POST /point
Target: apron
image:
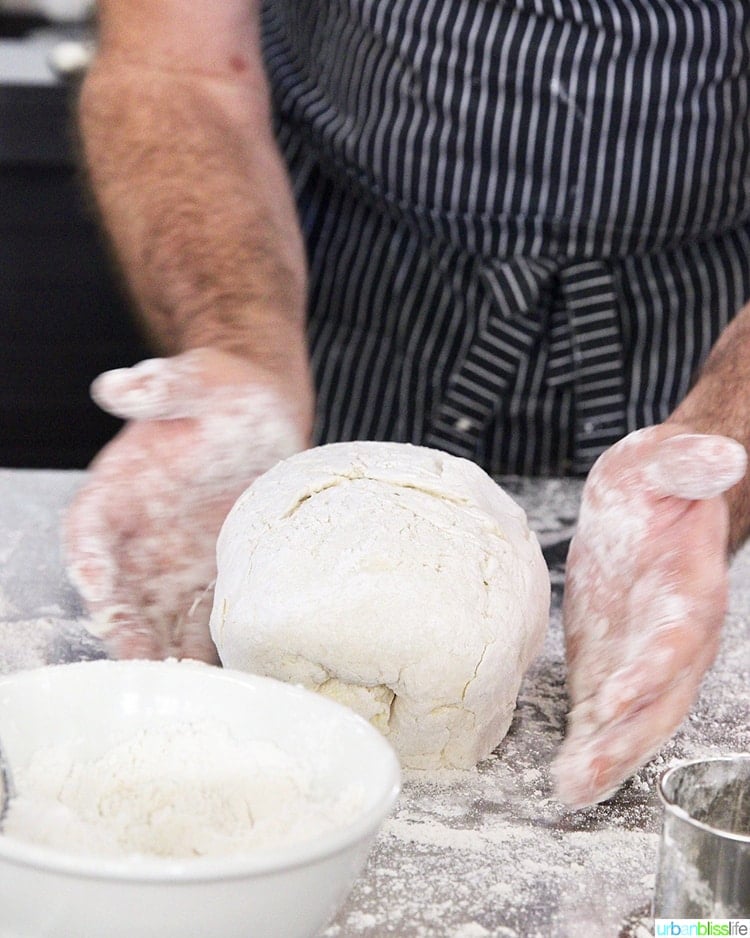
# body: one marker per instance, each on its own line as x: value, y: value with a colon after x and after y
x: 527, y: 221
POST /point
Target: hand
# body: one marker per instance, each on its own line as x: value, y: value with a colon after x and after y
x: 141, y: 534
x: 645, y: 597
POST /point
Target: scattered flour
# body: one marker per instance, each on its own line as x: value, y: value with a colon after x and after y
x: 25, y: 643
x: 7, y: 607
x: 181, y: 790
x: 489, y: 846
x: 471, y: 930
x: 33, y: 643
x: 492, y: 847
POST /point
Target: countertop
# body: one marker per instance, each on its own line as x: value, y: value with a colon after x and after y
x: 36, y: 104
x: 467, y: 854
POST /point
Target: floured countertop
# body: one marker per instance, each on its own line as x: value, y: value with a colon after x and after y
x: 467, y: 854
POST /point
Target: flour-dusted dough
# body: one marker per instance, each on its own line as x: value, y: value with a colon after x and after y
x: 397, y: 579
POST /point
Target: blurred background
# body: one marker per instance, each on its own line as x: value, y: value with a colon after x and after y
x: 64, y: 316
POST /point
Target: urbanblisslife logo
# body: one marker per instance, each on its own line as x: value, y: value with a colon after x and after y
x: 709, y: 927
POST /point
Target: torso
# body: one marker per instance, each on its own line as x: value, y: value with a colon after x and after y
x: 527, y: 220
x: 548, y: 127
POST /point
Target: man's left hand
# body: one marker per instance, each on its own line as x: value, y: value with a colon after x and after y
x: 645, y: 596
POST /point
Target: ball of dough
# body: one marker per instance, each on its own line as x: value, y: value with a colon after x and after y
x: 397, y: 579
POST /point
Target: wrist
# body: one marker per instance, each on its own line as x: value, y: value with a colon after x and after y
x: 226, y: 365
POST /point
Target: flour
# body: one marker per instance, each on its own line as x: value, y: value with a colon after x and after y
x: 7, y: 608
x: 181, y: 790
x: 492, y: 847
x: 471, y: 930
x: 528, y: 877
x: 24, y: 644
x: 32, y: 643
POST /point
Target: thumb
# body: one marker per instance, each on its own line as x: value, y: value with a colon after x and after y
x: 155, y: 389
x: 696, y: 466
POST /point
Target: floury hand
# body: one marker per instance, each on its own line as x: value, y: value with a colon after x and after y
x: 645, y: 597
x: 141, y: 534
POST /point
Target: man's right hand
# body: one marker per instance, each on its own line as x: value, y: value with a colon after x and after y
x: 141, y: 534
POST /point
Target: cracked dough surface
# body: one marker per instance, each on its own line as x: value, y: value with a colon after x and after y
x: 397, y: 579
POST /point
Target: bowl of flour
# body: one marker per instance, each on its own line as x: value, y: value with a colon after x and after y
x: 178, y: 799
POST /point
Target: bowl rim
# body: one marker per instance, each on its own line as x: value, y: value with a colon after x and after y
x: 140, y: 868
x: 671, y: 808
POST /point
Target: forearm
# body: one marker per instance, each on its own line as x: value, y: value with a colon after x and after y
x: 194, y: 195
x: 720, y: 403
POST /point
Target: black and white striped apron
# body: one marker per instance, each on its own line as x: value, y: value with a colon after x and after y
x: 527, y: 220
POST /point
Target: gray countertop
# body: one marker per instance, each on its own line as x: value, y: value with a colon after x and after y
x: 26, y: 61
x: 467, y: 854
x: 36, y: 103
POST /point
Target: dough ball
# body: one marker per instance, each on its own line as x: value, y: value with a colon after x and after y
x: 397, y: 579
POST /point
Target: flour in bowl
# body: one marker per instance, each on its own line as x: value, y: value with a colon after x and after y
x: 181, y: 790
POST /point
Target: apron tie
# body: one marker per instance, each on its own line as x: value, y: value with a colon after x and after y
x: 531, y: 307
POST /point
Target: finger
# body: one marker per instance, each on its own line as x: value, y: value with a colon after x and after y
x: 591, y: 767
x: 605, y: 745
x: 155, y: 389
x: 87, y: 545
x: 696, y: 466
x: 108, y: 593
x: 678, y: 577
x: 676, y: 635
x: 126, y: 633
x: 191, y: 637
x: 93, y: 543
x: 650, y: 679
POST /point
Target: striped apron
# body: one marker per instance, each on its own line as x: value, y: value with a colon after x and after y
x: 527, y: 220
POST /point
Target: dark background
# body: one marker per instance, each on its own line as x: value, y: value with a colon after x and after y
x: 64, y: 316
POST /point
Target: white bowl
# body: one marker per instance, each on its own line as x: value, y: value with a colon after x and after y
x: 284, y: 892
